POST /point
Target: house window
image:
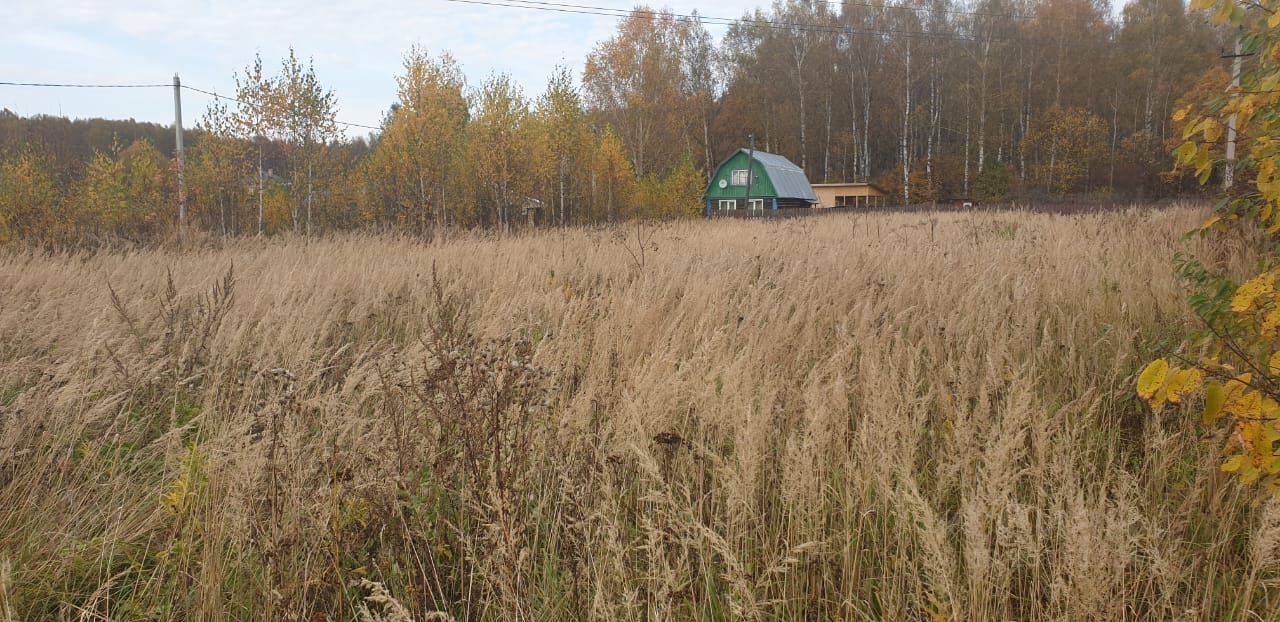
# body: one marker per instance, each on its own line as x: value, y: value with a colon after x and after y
x: 739, y: 177
x: 728, y: 204
x: 757, y: 204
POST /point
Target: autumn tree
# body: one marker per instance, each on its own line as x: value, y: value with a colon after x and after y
x: 1165, y: 52
x: 29, y: 199
x: 1234, y: 363
x: 254, y: 120
x: 1062, y: 144
x: 125, y: 192
x: 305, y: 114
x: 219, y: 167
x: 682, y: 190
x: 635, y: 81
x: 611, y: 177
x: 560, y: 133
x: 422, y: 143
x: 501, y: 163
x: 993, y: 183
x: 700, y: 87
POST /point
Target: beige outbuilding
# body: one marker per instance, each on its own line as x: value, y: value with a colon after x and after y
x: 850, y: 195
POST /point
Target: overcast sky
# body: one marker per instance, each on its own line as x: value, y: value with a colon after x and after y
x: 357, y: 46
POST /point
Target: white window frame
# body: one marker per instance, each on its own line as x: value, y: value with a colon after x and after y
x: 756, y: 204
x: 728, y: 204
x: 738, y: 177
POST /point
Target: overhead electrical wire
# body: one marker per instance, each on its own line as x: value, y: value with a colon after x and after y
x: 585, y: 9
x: 87, y: 86
x: 150, y: 86
x: 925, y: 9
x: 246, y: 103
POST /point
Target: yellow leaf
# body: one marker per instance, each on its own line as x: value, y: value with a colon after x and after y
x: 1273, y: 365
x: 1211, y: 221
x: 1186, y: 149
x: 1247, y: 293
x: 1183, y: 382
x: 1266, y: 169
x: 1214, y: 397
x: 1212, y: 130
x: 1270, y: 409
x: 1274, y: 20
x: 1249, y: 433
x: 1157, y: 401
x: 1186, y: 152
x: 1152, y: 378
x: 1234, y: 463
x: 1272, y: 466
x: 1247, y: 406
x: 1249, y: 474
x: 1180, y: 114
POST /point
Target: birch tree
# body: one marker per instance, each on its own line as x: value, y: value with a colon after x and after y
x: 253, y: 118
x: 306, y: 114
x: 423, y: 143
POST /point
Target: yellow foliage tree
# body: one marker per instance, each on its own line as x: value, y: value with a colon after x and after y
x: 29, y: 197
x: 559, y: 139
x: 1238, y: 372
x: 1063, y: 143
x: 415, y: 167
x: 500, y: 161
x: 612, y: 177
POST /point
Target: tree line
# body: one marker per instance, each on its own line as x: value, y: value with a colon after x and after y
x: 928, y: 99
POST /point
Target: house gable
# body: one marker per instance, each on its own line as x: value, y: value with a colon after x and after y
x: 761, y: 184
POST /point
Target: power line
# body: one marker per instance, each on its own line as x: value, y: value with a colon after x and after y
x: 583, y: 9
x: 148, y: 86
x: 213, y: 94
x: 921, y: 9
x: 88, y: 86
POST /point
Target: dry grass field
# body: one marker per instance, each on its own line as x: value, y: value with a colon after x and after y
x: 884, y: 417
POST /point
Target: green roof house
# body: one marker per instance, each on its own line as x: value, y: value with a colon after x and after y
x: 775, y: 183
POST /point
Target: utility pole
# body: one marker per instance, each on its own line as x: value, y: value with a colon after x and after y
x: 751, y: 159
x: 177, y: 132
x: 1228, y: 171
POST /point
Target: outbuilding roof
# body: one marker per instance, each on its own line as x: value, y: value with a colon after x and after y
x: 853, y: 184
x: 788, y: 179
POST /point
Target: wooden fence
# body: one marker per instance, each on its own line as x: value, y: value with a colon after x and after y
x: 1060, y: 208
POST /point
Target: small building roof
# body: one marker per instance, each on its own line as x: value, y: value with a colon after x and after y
x: 853, y: 184
x: 788, y: 179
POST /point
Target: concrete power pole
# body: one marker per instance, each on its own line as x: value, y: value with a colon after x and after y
x: 177, y: 132
x: 751, y: 160
x: 1228, y: 171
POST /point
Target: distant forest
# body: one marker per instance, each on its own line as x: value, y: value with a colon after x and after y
x: 997, y: 99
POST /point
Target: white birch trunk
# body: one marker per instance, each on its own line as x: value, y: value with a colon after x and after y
x: 906, y: 127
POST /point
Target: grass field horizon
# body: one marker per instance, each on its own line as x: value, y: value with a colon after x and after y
x: 881, y: 416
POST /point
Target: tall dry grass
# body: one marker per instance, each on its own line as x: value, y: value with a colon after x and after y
x: 867, y: 417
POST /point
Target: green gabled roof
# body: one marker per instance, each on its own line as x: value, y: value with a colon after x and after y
x: 787, y: 180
